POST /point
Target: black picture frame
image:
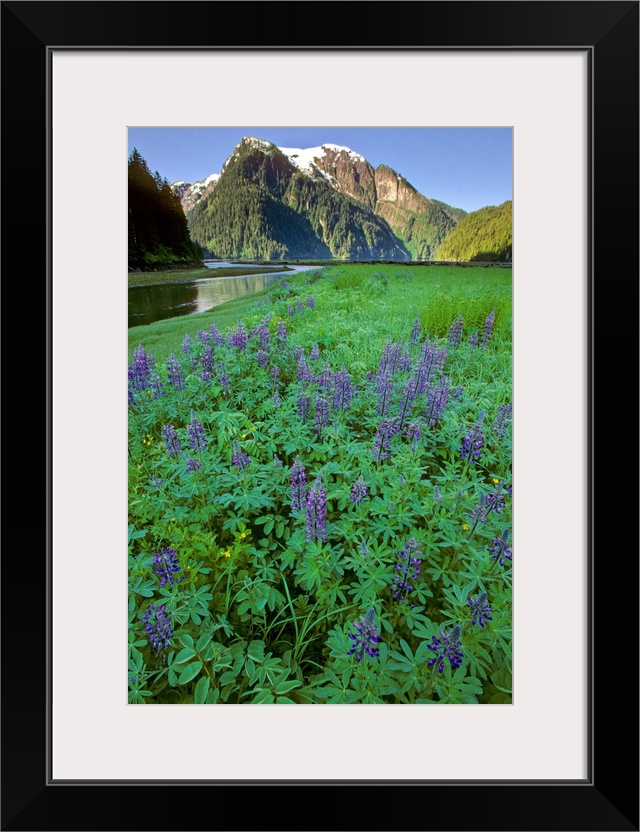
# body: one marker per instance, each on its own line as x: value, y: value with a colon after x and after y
x: 608, y: 798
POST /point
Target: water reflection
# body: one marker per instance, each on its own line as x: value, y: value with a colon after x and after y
x: 148, y: 304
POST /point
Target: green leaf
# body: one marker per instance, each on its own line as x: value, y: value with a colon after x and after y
x: 190, y: 672
x: 184, y: 655
x: 203, y: 641
x: 284, y: 700
x: 285, y: 687
x: 186, y: 640
x: 201, y: 691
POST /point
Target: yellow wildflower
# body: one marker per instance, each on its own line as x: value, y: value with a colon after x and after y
x: 496, y: 481
x: 243, y: 535
x: 465, y: 526
x: 227, y: 554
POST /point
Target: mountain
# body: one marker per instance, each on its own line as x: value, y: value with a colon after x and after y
x: 481, y: 235
x: 328, y: 201
x: 158, y: 233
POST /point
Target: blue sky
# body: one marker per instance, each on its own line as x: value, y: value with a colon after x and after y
x: 466, y: 167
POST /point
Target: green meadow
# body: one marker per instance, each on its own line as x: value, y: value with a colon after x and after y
x: 320, y: 493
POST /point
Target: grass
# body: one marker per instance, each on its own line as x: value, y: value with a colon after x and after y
x: 385, y: 297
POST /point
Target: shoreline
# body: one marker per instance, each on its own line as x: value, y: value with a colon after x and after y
x: 139, y: 279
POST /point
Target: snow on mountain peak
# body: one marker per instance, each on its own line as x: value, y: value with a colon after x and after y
x: 303, y: 158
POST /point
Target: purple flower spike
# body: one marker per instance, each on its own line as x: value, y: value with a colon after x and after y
x: 408, y: 570
x: 158, y: 626
x: 166, y: 565
x: 381, y: 443
x: 448, y: 647
x: 481, y: 609
x: 314, y: 355
x: 216, y: 335
x: 366, y: 637
x: 455, y: 332
x: 240, y: 337
x: 281, y: 331
x: 298, y: 480
x: 385, y: 387
x: 500, y: 549
x: 342, y: 390
x: 197, y: 439
x: 472, y: 443
x: 488, y: 328
x: 414, y: 432
x: 437, y: 396
x: 316, y: 527
x: 170, y: 436
x: 359, y: 490
x: 503, y: 420
x: 322, y: 414
x: 290, y: 310
x: 192, y: 464
x: 239, y: 458
x: 263, y: 358
x: 473, y: 339
x: 186, y: 344
x: 311, y: 303
x: 299, y: 306
x: 304, y: 408
x: 175, y: 376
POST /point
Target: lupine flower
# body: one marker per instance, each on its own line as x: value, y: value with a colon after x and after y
x: 381, y: 443
x: 406, y: 402
x: 500, y: 550
x: 216, y: 335
x: 359, y: 490
x: 223, y: 379
x: 316, y: 527
x: 231, y: 338
x: 281, y: 331
x: 304, y: 373
x: 311, y: 302
x: 299, y: 353
x: 155, y: 382
x: 431, y: 363
x: 455, y: 332
x: 488, y: 328
x: 140, y: 370
x: 304, y: 408
x: 263, y: 332
x: 501, y: 424
x: 175, y: 376
x: 472, y: 443
x: 408, y: 570
x: 263, y: 358
x: 325, y: 379
x: 206, y: 363
x: 170, y: 435
x: 403, y: 363
x: 156, y: 482
x: 414, y: 432
x: 448, y: 647
x: 437, y: 494
x: 240, y: 337
x: 366, y: 637
x: 385, y: 387
x: 166, y: 565
x: 158, y: 626
x: 298, y: 480
x: 415, y: 333
x: 186, y: 344
x: 290, y: 310
x: 457, y: 393
x: 473, y: 339
x: 274, y: 372
x: 197, y: 439
x: 481, y: 609
x: 299, y: 306
x: 239, y: 458
x: 479, y: 513
x: 322, y: 414
x: 130, y: 397
x: 342, y: 390
x: 315, y: 352
x: 192, y: 464
x: 203, y: 336
x: 495, y: 500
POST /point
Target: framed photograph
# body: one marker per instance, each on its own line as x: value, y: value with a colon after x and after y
x: 563, y: 79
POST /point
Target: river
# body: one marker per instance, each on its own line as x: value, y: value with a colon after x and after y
x: 148, y: 304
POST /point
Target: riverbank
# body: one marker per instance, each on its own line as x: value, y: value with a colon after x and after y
x: 190, y: 275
